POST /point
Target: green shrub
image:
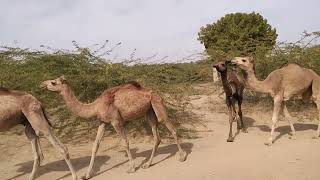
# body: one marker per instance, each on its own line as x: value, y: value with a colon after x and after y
x: 25, y: 70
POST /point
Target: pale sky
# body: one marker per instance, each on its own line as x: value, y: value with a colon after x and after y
x: 162, y: 27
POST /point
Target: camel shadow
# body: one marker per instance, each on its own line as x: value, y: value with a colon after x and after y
x: 283, y: 130
x: 79, y: 163
x: 248, y: 122
x: 171, y: 150
x: 83, y: 162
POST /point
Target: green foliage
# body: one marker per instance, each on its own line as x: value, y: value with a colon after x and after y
x: 238, y: 33
x: 302, y: 52
x: 89, y: 77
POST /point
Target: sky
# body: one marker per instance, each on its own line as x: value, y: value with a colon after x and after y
x: 158, y: 28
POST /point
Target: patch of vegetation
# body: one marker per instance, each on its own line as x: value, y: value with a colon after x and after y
x: 238, y: 33
x: 89, y: 76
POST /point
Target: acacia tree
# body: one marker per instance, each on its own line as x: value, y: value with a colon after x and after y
x: 238, y: 33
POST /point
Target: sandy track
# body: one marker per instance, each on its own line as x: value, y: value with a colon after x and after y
x: 210, y: 156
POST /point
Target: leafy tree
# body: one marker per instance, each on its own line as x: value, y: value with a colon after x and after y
x: 238, y: 33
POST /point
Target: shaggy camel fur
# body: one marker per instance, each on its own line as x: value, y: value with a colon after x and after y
x: 233, y: 90
x: 282, y: 84
x: 116, y: 106
x: 17, y: 107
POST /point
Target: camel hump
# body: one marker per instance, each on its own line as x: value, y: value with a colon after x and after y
x: 4, y: 89
x: 135, y: 84
x: 292, y: 66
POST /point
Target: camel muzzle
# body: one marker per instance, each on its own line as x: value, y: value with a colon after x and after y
x: 43, y: 86
x: 233, y: 62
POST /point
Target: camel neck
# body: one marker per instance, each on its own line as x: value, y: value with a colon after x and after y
x: 255, y: 84
x: 83, y: 110
x: 225, y: 83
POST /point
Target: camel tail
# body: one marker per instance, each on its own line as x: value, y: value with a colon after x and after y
x: 159, y: 108
x: 46, y: 116
x: 306, y: 96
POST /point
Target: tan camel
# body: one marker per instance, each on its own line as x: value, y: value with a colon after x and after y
x: 17, y: 107
x: 282, y: 84
x: 116, y: 106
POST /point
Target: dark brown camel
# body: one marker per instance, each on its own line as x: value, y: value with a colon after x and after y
x: 233, y: 89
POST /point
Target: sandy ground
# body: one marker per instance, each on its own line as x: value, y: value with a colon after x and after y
x: 209, y: 156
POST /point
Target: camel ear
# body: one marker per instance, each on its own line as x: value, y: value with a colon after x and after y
x: 251, y: 59
x: 62, y: 79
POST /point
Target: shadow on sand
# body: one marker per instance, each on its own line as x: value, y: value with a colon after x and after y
x: 248, y: 122
x: 283, y: 130
x: 171, y: 150
x: 83, y: 162
x: 78, y: 163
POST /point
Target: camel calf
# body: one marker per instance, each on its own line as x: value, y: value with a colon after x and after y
x: 233, y: 90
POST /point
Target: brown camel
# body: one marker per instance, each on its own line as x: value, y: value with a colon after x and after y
x: 282, y: 84
x: 116, y: 106
x: 17, y: 107
x: 233, y: 90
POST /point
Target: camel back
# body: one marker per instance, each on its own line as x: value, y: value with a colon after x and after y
x: 110, y: 93
x: 135, y: 84
x: 3, y: 89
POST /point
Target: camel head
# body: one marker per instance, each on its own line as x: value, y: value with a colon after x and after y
x: 55, y: 85
x: 244, y: 63
x: 220, y: 66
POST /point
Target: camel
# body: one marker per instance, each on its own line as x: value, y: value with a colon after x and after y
x: 18, y: 107
x: 215, y: 75
x: 116, y: 106
x: 282, y: 84
x: 233, y: 90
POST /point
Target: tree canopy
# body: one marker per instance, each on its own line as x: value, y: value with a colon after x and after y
x: 242, y: 33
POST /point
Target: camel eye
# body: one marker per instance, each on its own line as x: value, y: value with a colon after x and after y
x: 53, y: 83
x: 243, y: 60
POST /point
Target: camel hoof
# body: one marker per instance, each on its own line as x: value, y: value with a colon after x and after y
x: 315, y: 137
x: 293, y: 137
x: 182, y: 156
x: 244, y: 131
x: 85, y: 177
x: 146, y: 165
x: 268, y: 143
x: 131, y: 170
x: 230, y: 140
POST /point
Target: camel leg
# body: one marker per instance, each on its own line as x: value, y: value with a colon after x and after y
x: 237, y: 119
x: 31, y: 135
x: 63, y: 151
x: 244, y: 129
x: 318, y: 130
x: 182, y: 154
x: 95, y: 148
x: 156, y: 137
x: 288, y: 118
x: 160, y: 111
x: 125, y: 143
x: 39, y: 122
x: 39, y: 150
x: 230, y: 137
x: 276, y: 111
